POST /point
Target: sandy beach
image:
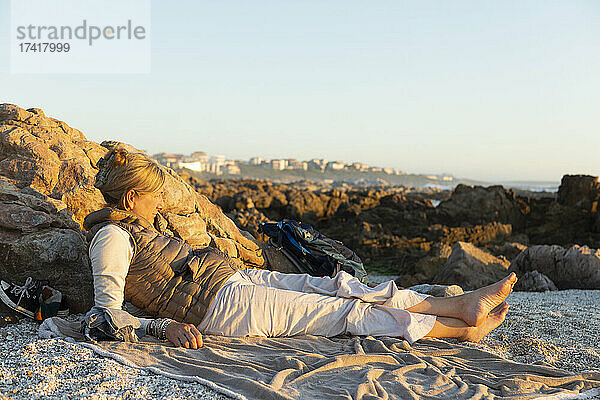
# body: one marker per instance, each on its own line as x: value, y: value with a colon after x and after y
x: 559, y: 329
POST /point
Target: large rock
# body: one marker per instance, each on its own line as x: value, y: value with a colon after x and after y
x: 579, y: 191
x: 250, y: 220
x: 478, y: 234
x: 47, y: 175
x: 511, y: 250
x: 574, y: 268
x: 471, y: 268
x: 49, y: 156
x: 533, y: 281
x: 480, y: 205
x: 39, y: 240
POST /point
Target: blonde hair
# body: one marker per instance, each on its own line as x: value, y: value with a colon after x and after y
x: 120, y: 171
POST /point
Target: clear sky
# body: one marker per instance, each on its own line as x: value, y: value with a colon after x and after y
x: 490, y: 90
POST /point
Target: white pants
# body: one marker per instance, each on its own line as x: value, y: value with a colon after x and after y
x: 266, y: 303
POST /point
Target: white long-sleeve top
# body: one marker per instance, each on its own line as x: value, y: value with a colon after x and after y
x: 111, y: 251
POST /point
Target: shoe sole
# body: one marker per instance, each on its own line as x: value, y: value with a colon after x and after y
x: 6, y: 300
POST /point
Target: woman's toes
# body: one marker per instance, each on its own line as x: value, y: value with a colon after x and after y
x: 484, y: 300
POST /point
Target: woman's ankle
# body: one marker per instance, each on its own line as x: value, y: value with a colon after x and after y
x: 447, y: 327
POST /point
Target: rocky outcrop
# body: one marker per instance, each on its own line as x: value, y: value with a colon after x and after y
x: 48, y: 172
x: 533, y: 281
x: 42, y: 241
x: 574, y: 268
x: 478, y: 234
x: 511, y: 250
x: 397, y: 230
x: 573, y: 218
x: 579, y: 191
x: 51, y: 157
x: 388, y: 226
x: 250, y: 220
x: 481, y: 205
x: 471, y: 268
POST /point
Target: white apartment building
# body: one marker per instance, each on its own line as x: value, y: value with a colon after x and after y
x: 279, y: 164
x: 295, y: 164
x: 336, y: 165
x: 194, y: 166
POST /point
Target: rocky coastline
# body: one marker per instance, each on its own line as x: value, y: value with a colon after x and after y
x: 470, y: 236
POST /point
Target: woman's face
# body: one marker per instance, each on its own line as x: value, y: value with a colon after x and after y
x: 147, y: 205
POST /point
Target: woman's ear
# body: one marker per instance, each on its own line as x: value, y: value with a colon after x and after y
x: 129, y: 202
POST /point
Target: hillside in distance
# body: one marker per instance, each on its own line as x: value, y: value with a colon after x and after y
x: 366, y: 178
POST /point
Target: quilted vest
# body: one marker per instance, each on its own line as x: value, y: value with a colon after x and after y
x: 166, y: 278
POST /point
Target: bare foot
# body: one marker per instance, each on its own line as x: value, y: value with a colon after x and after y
x: 491, y: 322
x: 479, y: 303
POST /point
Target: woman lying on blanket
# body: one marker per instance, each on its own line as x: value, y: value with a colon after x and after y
x: 194, y: 291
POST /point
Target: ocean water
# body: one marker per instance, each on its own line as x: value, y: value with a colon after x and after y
x: 551, y: 187
x: 532, y: 187
x: 437, y: 186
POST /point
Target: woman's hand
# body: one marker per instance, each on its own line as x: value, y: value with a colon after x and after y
x: 184, y: 335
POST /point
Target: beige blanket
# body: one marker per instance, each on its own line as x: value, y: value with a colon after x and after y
x: 311, y: 367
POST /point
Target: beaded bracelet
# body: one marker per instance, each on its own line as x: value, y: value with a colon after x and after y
x: 163, y: 328
x: 151, y: 328
x: 158, y: 328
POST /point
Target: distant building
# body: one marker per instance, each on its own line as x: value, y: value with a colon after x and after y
x: 218, y: 159
x: 358, y: 167
x: 233, y: 169
x: 295, y: 164
x: 194, y: 166
x: 199, y: 161
x: 317, y: 163
x: 279, y: 164
x: 198, y: 156
x: 336, y: 165
x: 214, y: 168
x: 218, y: 165
x: 169, y: 160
